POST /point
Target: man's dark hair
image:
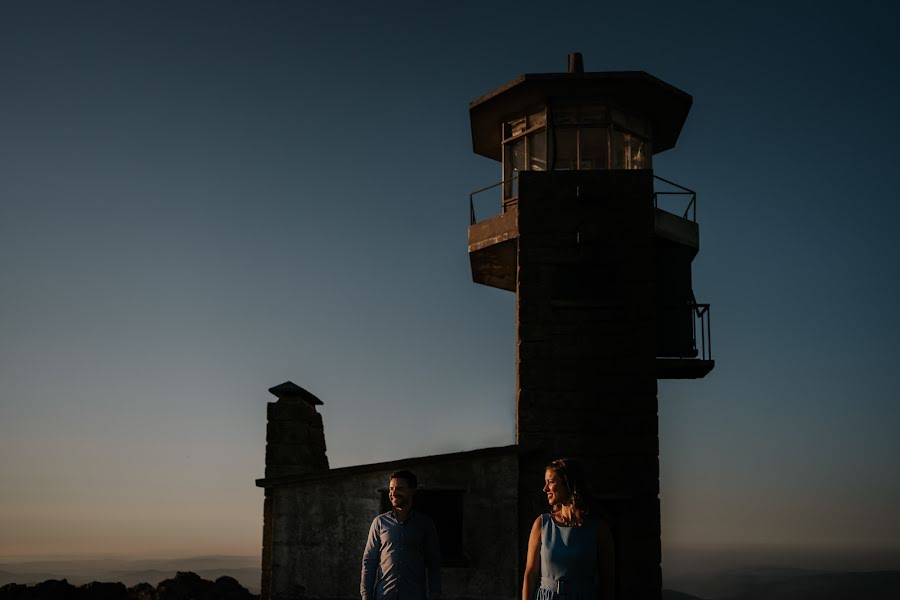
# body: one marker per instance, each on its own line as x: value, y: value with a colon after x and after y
x: 408, y: 476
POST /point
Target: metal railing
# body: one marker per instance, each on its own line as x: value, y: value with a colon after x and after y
x: 701, y: 314
x: 690, y: 209
x: 504, y: 202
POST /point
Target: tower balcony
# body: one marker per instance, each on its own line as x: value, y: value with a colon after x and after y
x: 683, y: 342
x: 492, y: 242
x: 683, y: 337
x: 684, y: 348
x: 675, y: 216
x: 492, y: 245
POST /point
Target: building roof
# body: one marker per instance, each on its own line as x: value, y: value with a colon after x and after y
x: 290, y: 391
x: 391, y: 465
x: 633, y: 92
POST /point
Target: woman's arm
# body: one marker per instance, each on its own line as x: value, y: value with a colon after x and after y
x: 606, y: 558
x: 532, y: 562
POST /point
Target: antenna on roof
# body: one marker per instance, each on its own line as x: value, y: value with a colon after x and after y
x: 576, y: 63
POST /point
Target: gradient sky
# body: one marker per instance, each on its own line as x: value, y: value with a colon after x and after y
x: 201, y: 200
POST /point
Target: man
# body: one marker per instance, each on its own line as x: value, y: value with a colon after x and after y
x: 402, y: 545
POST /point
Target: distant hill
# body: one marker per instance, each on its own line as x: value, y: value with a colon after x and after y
x: 29, y: 578
x: 673, y: 595
x: 877, y: 585
x: 245, y: 569
x: 762, y: 583
x: 183, y: 585
x: 776, y: 583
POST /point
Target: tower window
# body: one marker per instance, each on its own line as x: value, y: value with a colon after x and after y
x: 524, y: 148
x: 593, y: 137
x: 537, y: 151
x: 586, y: 138
x: 594, y: 148
x: 566, y: 158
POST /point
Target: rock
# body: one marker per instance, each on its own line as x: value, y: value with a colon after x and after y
x: 228, y: 588
x: 184, y: 586
x: 52, y: 589
x: 142, y: 591
x: 12, y: 591
x: 97, y: 590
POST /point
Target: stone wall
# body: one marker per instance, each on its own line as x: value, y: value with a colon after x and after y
x: 586, y: 353
x: 321, y: 522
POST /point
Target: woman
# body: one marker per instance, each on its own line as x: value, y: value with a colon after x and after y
x: 570, y: 550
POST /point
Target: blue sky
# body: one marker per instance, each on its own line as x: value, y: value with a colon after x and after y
x: 201, y: 200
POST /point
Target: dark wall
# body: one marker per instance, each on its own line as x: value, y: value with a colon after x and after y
x: 321, y: 526
x: 586, y: 325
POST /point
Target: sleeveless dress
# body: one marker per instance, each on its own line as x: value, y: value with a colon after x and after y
x: 568, y: 561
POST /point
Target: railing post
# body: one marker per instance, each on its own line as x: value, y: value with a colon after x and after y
x: 702, y: 338
x: 503, y: 202
x: 691, y: 311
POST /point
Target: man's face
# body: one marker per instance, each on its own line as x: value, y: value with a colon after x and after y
x: 400, y: 494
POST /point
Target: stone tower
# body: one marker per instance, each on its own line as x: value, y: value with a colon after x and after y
x: 295, y: 445
x: 602, y: 277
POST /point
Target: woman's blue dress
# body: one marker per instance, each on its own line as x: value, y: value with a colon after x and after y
x: 568, y: 561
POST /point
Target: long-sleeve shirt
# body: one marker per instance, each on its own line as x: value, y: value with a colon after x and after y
x: 396, y: 558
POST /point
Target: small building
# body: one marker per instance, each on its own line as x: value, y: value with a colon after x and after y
x: 316, y: 522
x: 598, y: 251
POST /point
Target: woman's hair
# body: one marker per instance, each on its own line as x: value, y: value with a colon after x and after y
x: 572, y: 474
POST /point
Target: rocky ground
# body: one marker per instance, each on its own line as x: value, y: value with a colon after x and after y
x: 184, y: 586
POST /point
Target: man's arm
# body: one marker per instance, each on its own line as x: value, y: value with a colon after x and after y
x: 433, y: 561
x: 371, y: 555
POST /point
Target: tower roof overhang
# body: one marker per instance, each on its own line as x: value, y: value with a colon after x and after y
x: 633, y: 92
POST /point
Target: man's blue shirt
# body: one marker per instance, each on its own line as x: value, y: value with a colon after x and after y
x: 397, y: 556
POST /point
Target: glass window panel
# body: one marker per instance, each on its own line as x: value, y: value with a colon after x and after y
x: 566, y: 149
x: 594, y: 148
x: 507, y: 171
x: 517, y: 149
x: 537, y: 118
x: 594, y: 114
x: 639, y: 153
x: 513, y: 164
x: 537, y: 150
x: 618, y: 149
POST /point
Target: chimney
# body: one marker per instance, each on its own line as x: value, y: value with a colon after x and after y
x: 576, y: 64
x: 295, y: 435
